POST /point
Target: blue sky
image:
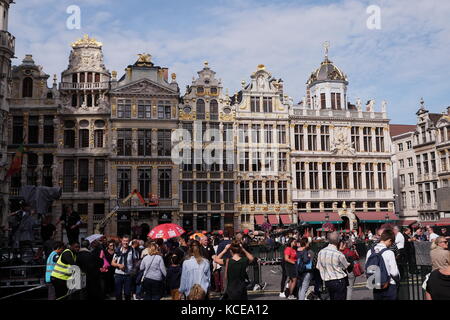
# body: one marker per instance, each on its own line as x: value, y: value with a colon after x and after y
x: 400, y: 63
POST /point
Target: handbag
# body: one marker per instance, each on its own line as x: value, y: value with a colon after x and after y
x: 357, y: 269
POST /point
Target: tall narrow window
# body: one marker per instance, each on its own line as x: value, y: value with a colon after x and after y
x: 27, y: 87
x: 200, y: 109
x: 281, y: 131
x: 124, y: 142
x: 245, y: 192
x: 270, y: 192
x: 123, y: 182
x: 243, y: 133
x: 164, y: 142
x: 357, y: 176
x: 326, y: 175
x: 84, y: 138
x: 145, y: 181
x: 98, y: 138
x: 342, y: 181
x: 282, y: 191
x: 33, y: 129
x: 144, y: 109
x: 256, y: 162
x: 325, y: 138
x: 49, y: 130
x: 312, y: 138
x: 268, y: 130
x: 165, y: 183
x: 267, y: 104
x: 367, y: 137
x: 202, y: 189
x: 313, y: 176
x: 382, y: 183
x: 83, y: 175
x: 256, y: 134
x: 370, y: 184
x: 269, y: 162
x: 214, y: 110
x: 257, y: 192
x: 300, y: 175
x: 298, y: 137
x: 355, y: 139
x: 144, y: 142
x: 187, y: 194
x: 164, y: 109
x: 282, y: 162
x: 228, y: 192
x: 323, y: 102
x: 255, y: 104
x: 99, y: 175
x: 379, y: 139
x: 244, y: 161
x: 17, y: 137
x: 215, y: 192
x: 69, y: 173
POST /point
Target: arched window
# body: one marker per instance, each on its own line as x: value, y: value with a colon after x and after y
x: 200, y: 109
x: 214, y: 110
x: 27, y: 88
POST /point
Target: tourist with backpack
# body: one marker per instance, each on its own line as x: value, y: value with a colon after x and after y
x: 124, y: 260
x: 381, y: 268
x: 304, y: 267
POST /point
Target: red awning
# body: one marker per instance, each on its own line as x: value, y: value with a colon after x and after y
x: 442, y: 222
x: 376, y: 216
x: 286, y: 218
x: 319, y: 217
x: 273, y: 219
x: 259, y: 219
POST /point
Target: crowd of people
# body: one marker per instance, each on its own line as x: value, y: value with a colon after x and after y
x: 179, y: 268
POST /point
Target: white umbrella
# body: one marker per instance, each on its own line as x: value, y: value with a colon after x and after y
x: 94, y: 237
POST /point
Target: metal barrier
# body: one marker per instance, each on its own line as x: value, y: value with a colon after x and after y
x: 268, y: 254
x: 412, y: 278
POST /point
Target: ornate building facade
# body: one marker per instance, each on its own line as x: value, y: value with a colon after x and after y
x: 208, y: 176
x: 7, y: 47
x: 263, y: 151
x: 144, y: 113
x: 340, y: 155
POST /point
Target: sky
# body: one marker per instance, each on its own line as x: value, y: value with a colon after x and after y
x: 402, y: 61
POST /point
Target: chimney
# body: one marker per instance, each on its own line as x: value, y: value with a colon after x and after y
x: 166, y: 74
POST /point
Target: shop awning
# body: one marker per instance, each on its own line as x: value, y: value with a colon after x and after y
x: 285, y: 219
x: 273, y: 219
x: 376, y: 217
x: 319, y: 217
x: 440, y: 223
x: 259, y: 219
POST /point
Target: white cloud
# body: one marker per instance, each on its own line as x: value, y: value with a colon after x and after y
x: 404, y: 60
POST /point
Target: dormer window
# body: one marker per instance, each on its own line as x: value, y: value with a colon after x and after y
x: 27, y: 88
x: 200, y: 90
x: 213, y: 90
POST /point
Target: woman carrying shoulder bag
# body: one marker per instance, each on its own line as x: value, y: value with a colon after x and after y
x: 154, y: 273
x: 235, y: 270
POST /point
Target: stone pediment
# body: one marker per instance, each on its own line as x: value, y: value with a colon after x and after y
x: 144, y: 87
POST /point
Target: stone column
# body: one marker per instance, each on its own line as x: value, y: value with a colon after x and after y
x: 319, y: 137
x: 372, y: 134
x: 305, y: 137
x: 350, y: 173
x: 361, y: 138
x: 363, y: 175
x: 307, y: 175
x: 375, y: 176
x: 319, y: 167
x: 222, y: 221
x: 41, y: 129
x: 154, y: 142
x: 333, y: 175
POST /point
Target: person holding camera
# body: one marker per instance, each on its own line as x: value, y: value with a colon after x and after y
x: 235, y: 270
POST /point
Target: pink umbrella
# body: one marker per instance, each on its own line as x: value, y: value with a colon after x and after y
x: 166, y: 231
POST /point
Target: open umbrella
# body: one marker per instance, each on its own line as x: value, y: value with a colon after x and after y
x: 94, y: 237
x: 196, y: 235
x: 166, y: 231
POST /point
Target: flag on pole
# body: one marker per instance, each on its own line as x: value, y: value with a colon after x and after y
x: 16, y: 163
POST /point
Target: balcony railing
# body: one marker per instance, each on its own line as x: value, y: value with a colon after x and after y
x: 7, y: 41
x: 83, y: 85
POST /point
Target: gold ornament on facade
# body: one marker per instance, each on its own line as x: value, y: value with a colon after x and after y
x: 86, y: 42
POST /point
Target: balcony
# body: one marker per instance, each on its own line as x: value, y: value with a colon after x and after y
x: 7, y: 41
x: 83, y: 85
x: 428, y: 206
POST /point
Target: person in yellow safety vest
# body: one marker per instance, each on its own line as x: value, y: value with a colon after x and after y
x: 61, y: 272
